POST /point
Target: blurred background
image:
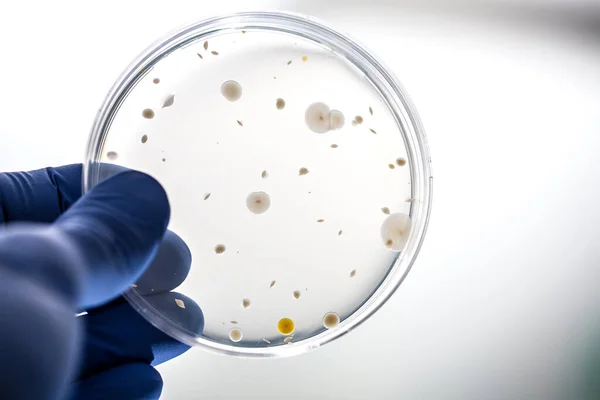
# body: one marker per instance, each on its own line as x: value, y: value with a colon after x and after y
x: 504, y: 299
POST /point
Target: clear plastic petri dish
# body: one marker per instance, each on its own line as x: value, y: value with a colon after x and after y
x: 297, y: 170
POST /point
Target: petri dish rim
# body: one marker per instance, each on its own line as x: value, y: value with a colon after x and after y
x: 391, y: 91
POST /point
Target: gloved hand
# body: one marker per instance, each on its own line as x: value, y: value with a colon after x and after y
x: 61, y: 254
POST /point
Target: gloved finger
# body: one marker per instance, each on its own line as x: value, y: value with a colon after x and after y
x: 171, y: 264
x: 168, y: 269
x: 116, y: 334
x: 40, y: 276
x: 44, y: 194
x: 116, y: 228
x: 39, y: 196
x: 134, y: 381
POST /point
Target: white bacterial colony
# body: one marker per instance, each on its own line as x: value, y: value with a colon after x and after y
x: 331, y: 320
x: 395, y: 231
x: 236, y: 335
x: 258, y: 202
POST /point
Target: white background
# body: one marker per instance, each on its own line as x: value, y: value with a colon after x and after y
x: 504, y: 300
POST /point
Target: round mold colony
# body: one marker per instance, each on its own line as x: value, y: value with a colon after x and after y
x: 258, y: 202
x: 331, y: 320
x: 231, y: 90
x: 395, y: 231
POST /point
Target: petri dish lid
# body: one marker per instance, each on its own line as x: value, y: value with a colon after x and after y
x: 297, y: 170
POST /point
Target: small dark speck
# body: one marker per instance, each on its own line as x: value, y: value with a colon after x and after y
x: 340, y: 233
x: 206, y: 45
x: 373, y: 131
x: 200, y: 55
x: 289, y: 62
x: 164, y: 159
x: 280, y: 104
x: 148, y: 113
x: 370, y: 110
x: 169, y: 101
x: 214, y: 53
x: 240, y: 123
x: 243, y: 31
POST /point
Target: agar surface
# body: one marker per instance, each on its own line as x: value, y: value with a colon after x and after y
x: 319, y: 118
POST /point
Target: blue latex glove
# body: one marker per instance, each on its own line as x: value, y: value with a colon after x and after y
x: 60, y: 254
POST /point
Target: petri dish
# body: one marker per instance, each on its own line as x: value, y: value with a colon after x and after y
x: 297, y: 170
